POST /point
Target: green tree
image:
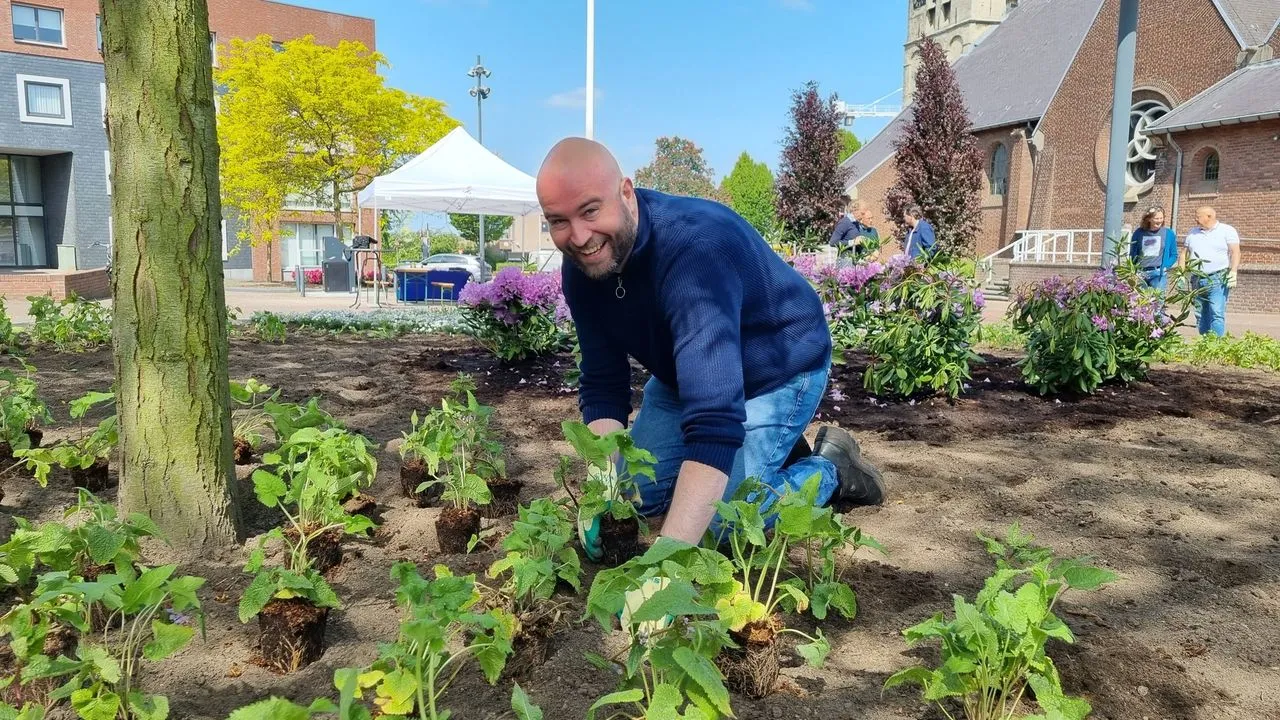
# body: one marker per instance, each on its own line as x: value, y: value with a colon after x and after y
x: 678, y: 168
x: 849, y: 144
x: 447, y: 242
x: 811, y: 183
x: 468, y: 226
x: 749, y: 191
x: 315, y: 119
x: 170, y: 312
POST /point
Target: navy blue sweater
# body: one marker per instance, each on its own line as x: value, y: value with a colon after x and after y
x: 709, y: 309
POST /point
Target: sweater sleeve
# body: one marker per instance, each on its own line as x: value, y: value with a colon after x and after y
x: 1170, y: 248
x: 604, y: 387
x: 840, y: 235
x: 704, y: 309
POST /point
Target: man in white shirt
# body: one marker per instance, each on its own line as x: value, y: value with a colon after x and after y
x: 1217, y: 246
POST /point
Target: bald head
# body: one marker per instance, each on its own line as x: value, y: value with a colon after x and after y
x: 1206, y: 216
x: 589, y: 205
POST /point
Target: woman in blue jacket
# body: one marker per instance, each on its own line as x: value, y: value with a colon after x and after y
x: 1154, y: 248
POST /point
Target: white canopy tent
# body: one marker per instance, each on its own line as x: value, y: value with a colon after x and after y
x: 456, y: 174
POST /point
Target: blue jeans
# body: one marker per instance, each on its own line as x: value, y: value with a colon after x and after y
x: 1211, y: 309
x: 1158, y: 279
x: 775, y: 421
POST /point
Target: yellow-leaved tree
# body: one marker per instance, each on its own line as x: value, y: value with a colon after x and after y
x: 311, y: 119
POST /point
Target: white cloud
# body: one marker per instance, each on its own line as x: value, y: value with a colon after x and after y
x: 576, y: 98
x: 805, y: 5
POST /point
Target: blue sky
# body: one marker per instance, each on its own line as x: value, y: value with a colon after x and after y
x: 718, y: 72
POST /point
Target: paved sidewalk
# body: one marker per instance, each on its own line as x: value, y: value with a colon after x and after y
x: 1237, y: 323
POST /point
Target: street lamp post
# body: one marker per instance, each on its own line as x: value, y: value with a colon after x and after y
x: 1122, y: 98
x: 480, y: 92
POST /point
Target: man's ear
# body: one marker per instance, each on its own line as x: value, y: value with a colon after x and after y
x: 628, y: 189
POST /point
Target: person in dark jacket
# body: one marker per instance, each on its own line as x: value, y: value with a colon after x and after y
x: 1154, y: 248
x: 734, y: 337
x: 853, y: 234
x: 921, y: 239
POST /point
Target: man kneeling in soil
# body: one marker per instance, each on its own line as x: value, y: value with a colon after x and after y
x: 734, y: 337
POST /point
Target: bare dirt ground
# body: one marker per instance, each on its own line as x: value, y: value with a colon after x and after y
x: 1174, y: 483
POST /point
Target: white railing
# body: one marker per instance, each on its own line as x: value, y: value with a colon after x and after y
x: 1059, y: 247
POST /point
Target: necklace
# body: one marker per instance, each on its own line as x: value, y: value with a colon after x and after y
x: 620, y: 292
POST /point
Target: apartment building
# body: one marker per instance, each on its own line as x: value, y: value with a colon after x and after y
x: 55, y: 184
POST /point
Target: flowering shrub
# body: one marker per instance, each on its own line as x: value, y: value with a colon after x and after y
x: 313, y: 277
x: 847, y: 297
x: 922, y: 328
x: 1084, y: 332
x: 517, y: 315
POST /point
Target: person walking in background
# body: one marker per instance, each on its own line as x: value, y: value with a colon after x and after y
x: 853, y: 234
x: 1154, y: 248
x: 1216, y: 245
x: 921, y: 238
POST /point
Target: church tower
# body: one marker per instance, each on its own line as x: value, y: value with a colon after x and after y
x: 954, y: 24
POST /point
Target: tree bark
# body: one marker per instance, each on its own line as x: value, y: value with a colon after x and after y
x: 170, y: 320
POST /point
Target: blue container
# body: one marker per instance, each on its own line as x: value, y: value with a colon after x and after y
x: 411, y: 286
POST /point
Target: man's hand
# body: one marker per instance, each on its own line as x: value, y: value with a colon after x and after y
x: 1233, y: 277
x: 589, y: 525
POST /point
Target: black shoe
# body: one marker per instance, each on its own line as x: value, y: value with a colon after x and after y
x: 799, y: 451
x: 860, y: 483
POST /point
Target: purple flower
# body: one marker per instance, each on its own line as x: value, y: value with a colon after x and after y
x: 1157, y: 333
x: 979, y: 300
x: 837, y: 396
x: 875, y: 307
x: 1101, y: 323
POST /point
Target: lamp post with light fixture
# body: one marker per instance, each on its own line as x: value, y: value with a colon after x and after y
x: 480, y: 92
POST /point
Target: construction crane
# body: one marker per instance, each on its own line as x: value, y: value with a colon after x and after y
x: 876, y: 108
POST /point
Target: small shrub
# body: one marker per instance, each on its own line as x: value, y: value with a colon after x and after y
x: 314, y: 276
x: 848, y: 295
x: 993, y: 649
x: 1084, y: 332
x: 7, y: 333
x: 269, y: 327
x: 21, y: 410
x: 72, y: 325
x: 921, y: 335
x: 517, y: 315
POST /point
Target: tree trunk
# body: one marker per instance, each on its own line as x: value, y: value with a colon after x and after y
x: 170, y: 320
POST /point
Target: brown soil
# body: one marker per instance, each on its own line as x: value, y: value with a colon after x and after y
x: 413, y: 472
x: 454, y: 528
x: 753, y: 667
x: 1172, y: 482
x: 291, y: 634
x: 619, y: 539
x: 533, y: 644
x: 94, y: 478
x: 242, y: 450
x: 6, y: 450
x: 504, y: 498
x: 324, y: 550
x: 99, y: 614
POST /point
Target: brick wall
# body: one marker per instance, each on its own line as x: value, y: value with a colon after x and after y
x: 90, y: 284
x: 872, y: 191
x: 1184, y: 46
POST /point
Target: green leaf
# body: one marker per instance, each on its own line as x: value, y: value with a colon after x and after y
x: 92, y: 706
x: 615, y: 698
x: 141, y: 592
x: 103, y: 664
x: 1056, y: 705
x: 323, y: 595
x: 268, y: 487
x: 256, y: 596
x: 144, y: 524
x: 103, y: 544
x: 167, y: 640
x: 274, y: 708
x: 665, y: 703
x: 148, y: 707
x: 677, y: 598
x: 585, y: 442
x: 1080, y: 577
x: 522, y: 707
x: 815, y: 652
x: 837, y: 595
x: 8, y: 574
x: 704, y: 673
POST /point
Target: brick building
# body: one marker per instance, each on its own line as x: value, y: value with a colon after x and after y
x: 1204, y: 127
x: 55, y: 185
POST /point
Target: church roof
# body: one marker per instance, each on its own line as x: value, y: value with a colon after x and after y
x: 1248, y: 94
x: 1252, y: 21
x: 1000, y: 86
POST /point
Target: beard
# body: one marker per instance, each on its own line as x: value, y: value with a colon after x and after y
x: 618, y: 246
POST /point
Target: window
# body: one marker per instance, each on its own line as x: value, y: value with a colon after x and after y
x: 321, y: 199
x: 933, y: 17
x: 44, y: 100
x: 998, y: 172
x: 1212, y: 165
x: 99, y: 19
x: 946, y: 12
x: 213, y: 48
x: 37, y: 24
x: 22, y: 240
x: 303, y: 243
x: 224, y: 240
x: 1142, y: 147
x: 277, y: 46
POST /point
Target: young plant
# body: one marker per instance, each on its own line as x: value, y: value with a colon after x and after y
x: 86, y: 458
x: 84, y: 550
x: 40, y: 630
x: 442, y: 631
x: 151, y: 617
x: 86, y: 325
x: 750, y: 610
x: 821, y: 534
x: 664, y: 599
x: 288, y: 418
x: 250, y: 419
x: 609, y: 492
x: 21, y: 410
x: 538, y: 557
x: 8, y: 336
x: 993, y: 649
x: 268, y: 326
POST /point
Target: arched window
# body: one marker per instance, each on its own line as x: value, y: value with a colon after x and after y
x: 1142, y: 147
x: 998, y: 171
x: 955, y: 49
x: 1212, y: 165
